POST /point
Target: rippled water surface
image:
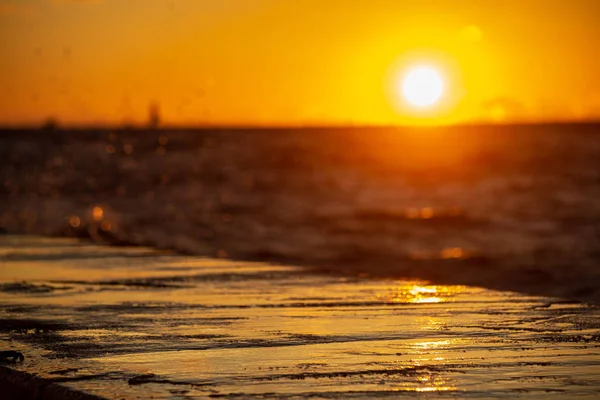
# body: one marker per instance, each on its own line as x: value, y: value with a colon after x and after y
x: 134, y: 323
x: 505, y: 207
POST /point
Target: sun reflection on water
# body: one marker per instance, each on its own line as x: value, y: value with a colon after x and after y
x: 432, y: 383
x: 432, y: 344
x: 419, y: 293
x: 435, y: 389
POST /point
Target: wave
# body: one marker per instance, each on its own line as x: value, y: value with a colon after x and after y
x: 512, y: 208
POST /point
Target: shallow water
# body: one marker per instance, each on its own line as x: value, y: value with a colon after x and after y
x: 133, y: 323
x: 510, y: 208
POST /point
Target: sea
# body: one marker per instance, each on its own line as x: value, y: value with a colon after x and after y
x: 505, y: 207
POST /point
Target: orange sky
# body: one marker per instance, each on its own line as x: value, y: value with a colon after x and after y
x: 295, y: 61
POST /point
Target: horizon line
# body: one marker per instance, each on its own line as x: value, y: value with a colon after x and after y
x: 126, y: 126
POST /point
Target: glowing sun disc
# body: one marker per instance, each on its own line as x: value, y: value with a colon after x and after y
x: 422, y: 87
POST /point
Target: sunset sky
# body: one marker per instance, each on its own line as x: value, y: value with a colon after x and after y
x: 296, y: 61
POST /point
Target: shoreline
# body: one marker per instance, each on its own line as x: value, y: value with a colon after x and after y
x: 488, y: 206
x: 130, y: 323
x: 464, y: 271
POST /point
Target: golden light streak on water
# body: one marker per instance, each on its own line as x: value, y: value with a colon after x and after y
x: 424, y: 294
x: 415, y: 293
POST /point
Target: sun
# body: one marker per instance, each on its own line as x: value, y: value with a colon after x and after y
x: 422, y: 87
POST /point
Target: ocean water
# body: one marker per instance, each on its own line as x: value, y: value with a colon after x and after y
x: 503, y: 207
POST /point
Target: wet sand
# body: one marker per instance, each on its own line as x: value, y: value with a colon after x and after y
x: 135, y: 323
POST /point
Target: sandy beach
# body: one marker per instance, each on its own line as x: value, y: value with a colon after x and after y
x: 136, y: 323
